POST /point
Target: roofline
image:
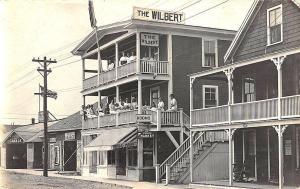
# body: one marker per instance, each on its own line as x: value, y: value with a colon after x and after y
x: 241, y: 29
x: 61, y: 130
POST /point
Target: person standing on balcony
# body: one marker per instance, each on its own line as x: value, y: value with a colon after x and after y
x: 132, y: 58
x: 161, y: 104
x: 126, y: 104
x: 123, y: 59
x: 112, y: 107
x: 134, y: 104
x: 173, y: 103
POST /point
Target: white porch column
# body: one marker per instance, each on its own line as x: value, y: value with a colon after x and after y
x: 116, y: 59
x: 229, y: 75
x: 138, y: 52
x: 191, y: 133
x: 140, y: 97
x: 117, y: 93
x: 269, y: 162
x: 99, y: 107
x: 280, y: 130
x: 83, y: 68
x: 230, y: 133
x: 278, y: 62
x: 191, y: 156
x: 170, y: 69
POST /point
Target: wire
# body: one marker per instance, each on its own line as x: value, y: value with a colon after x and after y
x: 189, y: 5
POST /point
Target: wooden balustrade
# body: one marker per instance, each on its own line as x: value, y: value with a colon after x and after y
x: 126, y: 70
x: 127, y: 117
x: 153, y: 66
x: 107, y: 76
x: 90, y: 123
x: 290, y: 106
x: 212, y: 115
x: 90, y: 82
x: 170, y: 118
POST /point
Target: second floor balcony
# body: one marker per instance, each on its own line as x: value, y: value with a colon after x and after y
x: 262, y: 110
x: 145, y: 67
x: 159, y: 118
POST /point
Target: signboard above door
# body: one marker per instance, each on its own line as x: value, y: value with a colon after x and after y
x: 148, y: 39
x: 158, y: 15
x: 70, y: 136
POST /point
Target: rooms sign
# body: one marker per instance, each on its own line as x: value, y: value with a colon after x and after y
x: 158, y: 15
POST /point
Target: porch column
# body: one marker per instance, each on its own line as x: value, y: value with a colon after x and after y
x: 140, y: 98
x: 99, y: 66
x: 280, y: 130
x: 230, y: 133
x: 117, y: 93
x: 191, y: 133
x: 181, y: 126
x: 278, y: 62
x: 140, y: 157
x: 138, y: 52
x: 170, y: 65
x: 116, y: 59
x: 99, y: 107
x: 269, y: 162
x: 229, y: 74
x: 83, y: 68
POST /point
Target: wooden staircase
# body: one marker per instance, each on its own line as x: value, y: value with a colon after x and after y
x: 177, y: 164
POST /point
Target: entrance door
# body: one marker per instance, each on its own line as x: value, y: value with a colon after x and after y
x: 154, y: 95
x: 121, y: 163
x: 249, y: 156
x: 70, y: 155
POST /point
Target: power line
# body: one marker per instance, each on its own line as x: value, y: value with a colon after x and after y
x: 188, y: 6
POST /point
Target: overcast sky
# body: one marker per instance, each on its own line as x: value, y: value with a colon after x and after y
x: 37, y: 28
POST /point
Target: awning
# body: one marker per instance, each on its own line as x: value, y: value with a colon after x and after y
x: 108, y: 139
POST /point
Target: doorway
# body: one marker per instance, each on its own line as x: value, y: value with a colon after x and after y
x: 16, y: 156
x: 70, y: 158
x: 249, y: 153
x: 121, y: 163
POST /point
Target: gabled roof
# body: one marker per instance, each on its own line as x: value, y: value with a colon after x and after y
x: 243, y: 29
x: 72, y: 122
x: 297, y: 2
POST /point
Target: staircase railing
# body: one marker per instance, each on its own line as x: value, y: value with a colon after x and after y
x: 180, y: 153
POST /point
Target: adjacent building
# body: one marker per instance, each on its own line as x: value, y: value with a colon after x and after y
x: 260, y: 112
x: 142, y: 60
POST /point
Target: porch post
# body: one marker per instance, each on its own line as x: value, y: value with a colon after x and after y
x: 278, y: 62
x: 181, y: 126
x: 83, y: 68
x: 117, y: 93
x: 191, y: 156
x: 170, y: 65
x: 140, y: 98
x: 269, y: 161
x: 191, y: 133
x: 116, y: 59
x: 140, y: 157
x: 228, y: 74
x: 99, y: 107
x: 138, y: 52
x: 230, y: 133
x: 280, y: 130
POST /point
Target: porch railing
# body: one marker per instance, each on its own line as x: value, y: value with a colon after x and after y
x: 159, y: 118
x: 107, y: 76
x: 153, y: 66
x: 90, y: 82
x: 249, y: 111
x: 127, y: 69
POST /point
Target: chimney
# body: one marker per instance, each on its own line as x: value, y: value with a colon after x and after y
x: 32, y: 120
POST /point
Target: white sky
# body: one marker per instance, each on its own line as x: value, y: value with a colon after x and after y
x: 37, y: 28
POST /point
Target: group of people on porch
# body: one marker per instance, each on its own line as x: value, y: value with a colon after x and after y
x: 126, y: 58
x: 114, y: 107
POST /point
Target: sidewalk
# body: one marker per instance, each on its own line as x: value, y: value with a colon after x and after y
x: 132, y: 184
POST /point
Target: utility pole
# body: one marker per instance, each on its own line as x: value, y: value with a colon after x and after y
x: 44, y: 72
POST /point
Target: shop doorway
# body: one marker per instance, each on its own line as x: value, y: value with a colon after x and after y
x: 121, y: 163
x: 70, y: 158
x: 249, y: 153
x: 16, y: 156
x: 38, y: 155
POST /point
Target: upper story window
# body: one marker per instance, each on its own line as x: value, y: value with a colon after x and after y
x: 210, y: 96
x: 249, y: 90
x: 209, y: 58
x: 274, y: 23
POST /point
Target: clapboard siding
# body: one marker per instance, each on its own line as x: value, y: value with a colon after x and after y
x: 254, y: 43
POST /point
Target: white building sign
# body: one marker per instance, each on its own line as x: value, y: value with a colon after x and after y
x: 143, y: 118
x: 148, y: 39
x: 70, y: 136
x: 158, y: 15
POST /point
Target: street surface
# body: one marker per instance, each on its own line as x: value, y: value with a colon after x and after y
x: 12, y: 180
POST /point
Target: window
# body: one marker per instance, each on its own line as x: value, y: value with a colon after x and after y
x: 148, y: 152
x: 56, y: 155
x: 111, y: 157
x: 249, y: 90
x: 274, y: 23
x: 209, y: 58
x: 154, y: 95
x: 102, y: 157
x: 210, y: 94
x: 132, y: 157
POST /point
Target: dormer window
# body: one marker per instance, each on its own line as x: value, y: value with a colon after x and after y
x: 209, y: 58
x: 274, y: 24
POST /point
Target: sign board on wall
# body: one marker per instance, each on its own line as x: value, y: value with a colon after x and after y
x: 143, y: 118
x: 158, y: 15
x: 70, y: 136
x: 14, y: 139
x: 148, y: 39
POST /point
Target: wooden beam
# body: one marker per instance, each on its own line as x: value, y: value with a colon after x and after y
x: 91, y: 71
x: 169, y: 134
